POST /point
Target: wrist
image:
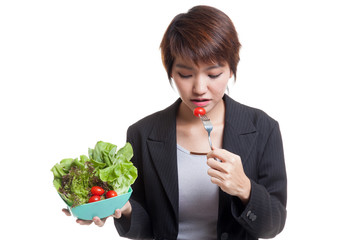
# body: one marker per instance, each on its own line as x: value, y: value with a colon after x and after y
x: 245, y: 193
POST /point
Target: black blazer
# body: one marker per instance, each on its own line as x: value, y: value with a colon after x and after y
x: 248, y: 132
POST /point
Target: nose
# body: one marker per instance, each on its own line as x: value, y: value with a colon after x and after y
x: 200, y: 85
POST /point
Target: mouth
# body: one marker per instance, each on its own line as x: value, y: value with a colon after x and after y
x: 200, y: 102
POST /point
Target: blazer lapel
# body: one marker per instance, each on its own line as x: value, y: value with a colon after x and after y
x: 239, y: 132
x: 162, y: 147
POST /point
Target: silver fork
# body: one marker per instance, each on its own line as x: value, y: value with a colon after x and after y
x: 208, y: 126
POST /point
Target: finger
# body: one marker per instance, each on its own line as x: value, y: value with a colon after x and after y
x: 211, y: 162
x: 219, y: 166
x: 213, y: 173
x: 216, y: 181
x: 99, y: 222
x: 213, y: 147
x: 223, y: 155
x: 84, y: 222
x: 66, y: 211
x: 216, y: 154
x: 117, y: 213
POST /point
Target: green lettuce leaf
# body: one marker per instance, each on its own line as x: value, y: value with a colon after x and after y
x: 122, y: 173
x: 128, y: 176
x: 111, y: 173
x: 104, y: 152
x: 124, y: 154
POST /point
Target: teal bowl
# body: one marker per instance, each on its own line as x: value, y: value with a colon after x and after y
x: 101, y: 209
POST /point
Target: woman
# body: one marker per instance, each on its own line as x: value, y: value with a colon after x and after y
x: 185, y: 190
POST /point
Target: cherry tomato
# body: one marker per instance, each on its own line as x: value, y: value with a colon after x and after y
x: 97, y: 191
x: 94, y: 198
x: 111, y: 194
x: 199, y: 111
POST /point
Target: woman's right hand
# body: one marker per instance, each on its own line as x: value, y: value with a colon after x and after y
x: 125, y: 211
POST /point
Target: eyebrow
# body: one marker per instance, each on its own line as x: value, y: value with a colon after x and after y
x: 179, y: 65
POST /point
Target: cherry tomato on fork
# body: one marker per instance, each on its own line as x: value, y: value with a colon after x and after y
x: 199, y: 111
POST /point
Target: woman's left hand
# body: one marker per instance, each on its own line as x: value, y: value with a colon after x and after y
x: 229, y: 174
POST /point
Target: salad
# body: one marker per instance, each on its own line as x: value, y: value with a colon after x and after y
x: 104, y: 167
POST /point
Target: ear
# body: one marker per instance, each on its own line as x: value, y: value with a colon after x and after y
x: 231, y: 74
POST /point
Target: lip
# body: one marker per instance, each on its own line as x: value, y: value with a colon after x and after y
x: 200, y: 102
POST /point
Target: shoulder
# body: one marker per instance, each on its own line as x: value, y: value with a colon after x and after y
x: 144, y: 125
x: 154, y: 120
x: 248, y: 117
x: 258, y: 116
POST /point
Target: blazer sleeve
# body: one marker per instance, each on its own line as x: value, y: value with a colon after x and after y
x: 264, y: 215
x: 139, y: 224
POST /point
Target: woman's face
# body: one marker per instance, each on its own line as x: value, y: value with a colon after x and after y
x: 201, y: 85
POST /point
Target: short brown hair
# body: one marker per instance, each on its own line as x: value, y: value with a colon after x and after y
x: 203, y: 34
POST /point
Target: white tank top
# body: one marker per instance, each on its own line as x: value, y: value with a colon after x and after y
x: 198, y: 198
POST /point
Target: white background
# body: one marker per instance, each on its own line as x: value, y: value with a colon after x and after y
x: 75, y: 72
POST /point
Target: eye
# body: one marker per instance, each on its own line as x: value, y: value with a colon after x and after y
x: 214, y: 76
x: 184, y: 76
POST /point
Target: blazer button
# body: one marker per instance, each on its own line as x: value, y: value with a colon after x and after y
x: 248, y: 213
x: 251, y: 215
x: 224, y: 236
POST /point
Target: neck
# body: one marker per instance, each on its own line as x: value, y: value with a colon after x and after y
x: 217, y: 114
